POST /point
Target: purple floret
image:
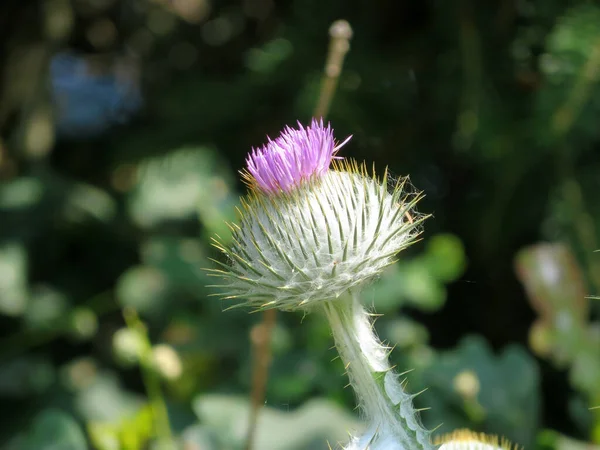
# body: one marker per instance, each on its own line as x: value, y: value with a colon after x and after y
x: 296, y: 155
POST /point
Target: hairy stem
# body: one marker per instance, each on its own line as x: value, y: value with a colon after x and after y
x: 393, y: 422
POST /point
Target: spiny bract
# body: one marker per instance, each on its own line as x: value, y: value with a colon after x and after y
x: 326, y: 236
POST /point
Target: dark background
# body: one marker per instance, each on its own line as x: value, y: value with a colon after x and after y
x: 123, y: 125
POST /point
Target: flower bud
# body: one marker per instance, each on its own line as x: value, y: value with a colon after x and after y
x: 166, y: 361
x: 308, y: 234
x: 128, y: 346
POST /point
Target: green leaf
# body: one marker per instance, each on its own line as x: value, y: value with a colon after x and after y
x: 405, y: 333
x: 197, y: 437
x: 555, y: 284
x: 26, y: 376
x: 270, y: 56
x: 309, y: 427
x: 104, y: 400
x: 21, y: 193
x: 568, y: 100
x: 143, y: 288
x: 556, y: 290
x: 85, y: 201
x: 552, y: 440
x: 53, y: 429
x: 13, y: 279
x: 445, y: 257
x: 388, y: 292
x: 178, y: 186
x: 45, y: 308
x: 178, y: 259
x: 502, y: 394
x: 421, y: 287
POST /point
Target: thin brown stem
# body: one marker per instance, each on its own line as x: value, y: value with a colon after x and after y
x: 340, y: 33
x: 566, y: 115
x: 260, y: 335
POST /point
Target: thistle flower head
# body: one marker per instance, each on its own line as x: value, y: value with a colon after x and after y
x: 318, y: 236
x: 296, y: 155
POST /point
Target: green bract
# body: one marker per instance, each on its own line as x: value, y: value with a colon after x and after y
x: 330, y: 234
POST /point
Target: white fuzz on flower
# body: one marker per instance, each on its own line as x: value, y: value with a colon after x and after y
x: 468, y: 445
x: 330, y: 234
x: 469, y: 440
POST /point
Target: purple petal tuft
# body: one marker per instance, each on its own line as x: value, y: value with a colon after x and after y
x: 296, y: 155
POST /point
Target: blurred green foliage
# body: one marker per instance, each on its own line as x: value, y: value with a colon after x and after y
x: 122, y: 126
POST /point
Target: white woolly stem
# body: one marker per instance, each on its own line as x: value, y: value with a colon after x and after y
x: 393, y: 422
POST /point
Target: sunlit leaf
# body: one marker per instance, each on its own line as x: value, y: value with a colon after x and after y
x: 143, y: 288
x: 13, y: 279
x: 306, y: 428
x: 103, y: 399
x: 405, y: 333
x: 554, y: 283
x: 85, y: 201
x: 45, y: 308
x: 179, y: 260
x: 180, y: 185
x: 21, y: 193
x: 197, y: 437
x: 445, y: 256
